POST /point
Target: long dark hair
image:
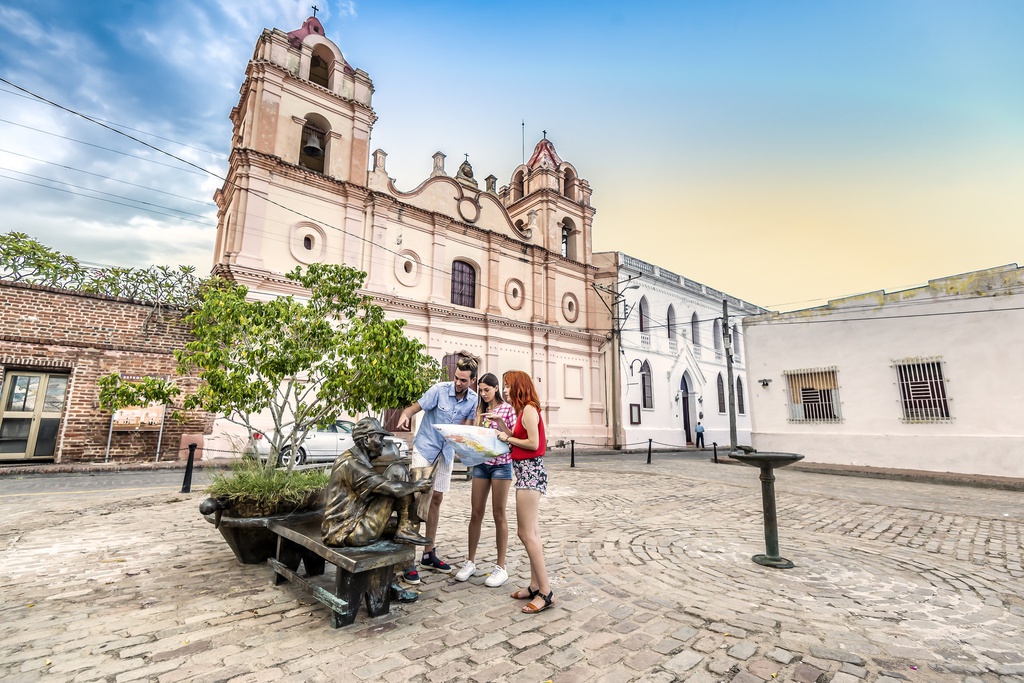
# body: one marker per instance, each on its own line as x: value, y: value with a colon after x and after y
x: 491, y: 380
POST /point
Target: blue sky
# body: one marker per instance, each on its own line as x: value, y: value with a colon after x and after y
x: 784, y: 152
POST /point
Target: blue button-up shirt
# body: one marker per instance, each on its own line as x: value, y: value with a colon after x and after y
x: 441, y: 407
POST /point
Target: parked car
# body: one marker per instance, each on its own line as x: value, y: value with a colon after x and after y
x: 322, y: 445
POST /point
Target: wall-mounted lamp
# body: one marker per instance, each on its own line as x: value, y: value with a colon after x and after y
x: 700, y: 399
x: 765, y: 382
x: 635, y: 360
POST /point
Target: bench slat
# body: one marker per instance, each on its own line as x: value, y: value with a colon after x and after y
x: 355, y: 560
x: 322, y: 595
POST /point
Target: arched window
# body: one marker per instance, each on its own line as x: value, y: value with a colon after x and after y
x: 319, y: 71
x: 569, y: 184
x: 565, y: 241
x: 739, y: 396
x: 721, y: 394
x: 736, y: 342
x: 463, y: 284
x: 517, y: 186
x: 718, y: 337
x: 569, y: 239
x: 671, y: 324
x: 695, y: 330
x: 646, y: 385
x: 645, y: 319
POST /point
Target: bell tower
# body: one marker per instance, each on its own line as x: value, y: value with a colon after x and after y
x: 548, y: 193
x: 303, y: 121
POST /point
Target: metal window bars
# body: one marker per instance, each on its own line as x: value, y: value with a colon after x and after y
x: 922, y: 390
x: 814, y: 395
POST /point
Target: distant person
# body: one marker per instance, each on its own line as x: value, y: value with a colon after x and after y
x: 527, y: 442
x: 700, y: 435
x: 493, y: 477
x: 445, y: 403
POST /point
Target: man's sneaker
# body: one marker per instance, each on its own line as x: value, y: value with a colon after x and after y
x: 467, y: 571
x: 497, y: 577
x: 411, y: 576
x: 432, y: 561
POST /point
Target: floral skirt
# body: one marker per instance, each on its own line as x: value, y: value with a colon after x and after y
x: 531, y: 474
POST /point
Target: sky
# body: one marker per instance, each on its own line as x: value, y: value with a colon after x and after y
x: 786, y: 152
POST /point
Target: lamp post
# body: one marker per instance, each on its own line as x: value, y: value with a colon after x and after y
x: 617, y: 298
x: 728, y: 371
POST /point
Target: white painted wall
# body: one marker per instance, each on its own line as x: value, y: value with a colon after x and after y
x: 972, y: 322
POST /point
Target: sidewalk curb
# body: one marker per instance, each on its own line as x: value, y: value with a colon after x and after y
x: 98, y: 467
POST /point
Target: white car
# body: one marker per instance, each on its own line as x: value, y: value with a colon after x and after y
x: 321, y: 445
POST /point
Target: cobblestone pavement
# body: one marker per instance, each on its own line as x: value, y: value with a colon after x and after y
x: 650, y: 564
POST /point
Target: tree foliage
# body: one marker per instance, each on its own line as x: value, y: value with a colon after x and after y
x: 115, y: 393
x: 304, y: 362
x: 25, y: 259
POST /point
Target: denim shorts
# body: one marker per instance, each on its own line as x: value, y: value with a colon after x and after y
x: 486, y: 471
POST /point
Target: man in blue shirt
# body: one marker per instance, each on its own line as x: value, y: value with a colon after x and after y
x: 700, y: 436
x: 444, y: 403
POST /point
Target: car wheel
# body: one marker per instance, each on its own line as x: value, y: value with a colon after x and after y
x: 284, y: 457
x: 300, y: 459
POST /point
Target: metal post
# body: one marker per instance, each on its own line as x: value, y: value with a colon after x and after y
x: 186, y: 485
x: 728, y: 372
x: 110, y: 433
x: 572, y: 452
x: 649, y: 450
x: 160, y: 436
x: 714, y: 445
x: 771, y: 524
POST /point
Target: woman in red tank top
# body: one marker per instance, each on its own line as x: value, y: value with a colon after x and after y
x: 527, y: 445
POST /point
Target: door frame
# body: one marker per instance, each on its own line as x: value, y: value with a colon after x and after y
x: 37, y: 414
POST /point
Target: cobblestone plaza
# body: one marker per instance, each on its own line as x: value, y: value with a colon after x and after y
x: 894, y: 581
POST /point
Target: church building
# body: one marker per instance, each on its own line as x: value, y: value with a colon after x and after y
x: 505, y: 273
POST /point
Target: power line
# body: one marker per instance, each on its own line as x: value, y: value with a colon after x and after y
x: 33, y: 98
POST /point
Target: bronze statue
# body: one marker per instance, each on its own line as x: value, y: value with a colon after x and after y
x: 360, y: 500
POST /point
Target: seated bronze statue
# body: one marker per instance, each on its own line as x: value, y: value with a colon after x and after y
x: 360, y: 501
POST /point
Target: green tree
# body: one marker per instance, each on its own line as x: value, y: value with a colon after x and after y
x: 25, y: 259
x: 302, y: 362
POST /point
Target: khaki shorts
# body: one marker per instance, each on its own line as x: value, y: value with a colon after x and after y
x: 443, y: 474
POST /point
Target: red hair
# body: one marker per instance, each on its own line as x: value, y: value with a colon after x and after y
x: 521, y: 392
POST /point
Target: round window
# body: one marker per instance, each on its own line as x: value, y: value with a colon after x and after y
x: 570, y: 307
x: 515, y: 294
x: 307, y: 243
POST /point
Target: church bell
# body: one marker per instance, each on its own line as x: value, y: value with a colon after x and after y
x: 312, y: 147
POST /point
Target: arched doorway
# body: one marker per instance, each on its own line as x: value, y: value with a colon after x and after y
x: 684, y: 394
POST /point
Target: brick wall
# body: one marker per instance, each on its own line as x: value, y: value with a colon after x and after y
x: 87, y: 336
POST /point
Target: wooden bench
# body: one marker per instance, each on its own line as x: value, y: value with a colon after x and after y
x: 361, y: 572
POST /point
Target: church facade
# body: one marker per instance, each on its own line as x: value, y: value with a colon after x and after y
x: 505, y: 273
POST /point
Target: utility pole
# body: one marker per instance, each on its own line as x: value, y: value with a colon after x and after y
x: 727, y: 335
x: 618, y: 298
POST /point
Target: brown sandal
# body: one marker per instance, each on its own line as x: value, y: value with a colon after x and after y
x: 530, y: 609
x: 531, y: 593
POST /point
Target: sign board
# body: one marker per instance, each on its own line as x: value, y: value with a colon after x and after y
x: 138, y: 419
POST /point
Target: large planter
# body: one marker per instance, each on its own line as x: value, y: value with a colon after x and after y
x: 245, y: 529
x: 249, y: 538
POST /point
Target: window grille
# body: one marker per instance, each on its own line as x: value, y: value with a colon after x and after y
x: 647, y: 385
x: 813, y: 395
x: 922, y: 390
x: 721, y: 394
x: 463, y: 284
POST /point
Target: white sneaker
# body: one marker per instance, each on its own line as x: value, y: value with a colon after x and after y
x: 468, y: 569
x: 497, y: 577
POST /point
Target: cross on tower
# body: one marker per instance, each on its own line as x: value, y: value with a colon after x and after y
x: 545, y: 134
x: 315, y: 10
x: 467, y: 157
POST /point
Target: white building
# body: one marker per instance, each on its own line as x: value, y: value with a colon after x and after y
x: 671, y: 369
x: 930, y: 378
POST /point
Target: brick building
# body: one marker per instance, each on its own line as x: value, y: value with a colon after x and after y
x: 54, y: 346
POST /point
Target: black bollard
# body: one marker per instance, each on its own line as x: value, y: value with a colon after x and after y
x: 714, y: 445
x: 572, y: 452
x: 649, y: 451
x: 186, y: 485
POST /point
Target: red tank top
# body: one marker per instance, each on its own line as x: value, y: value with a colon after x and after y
x: 520, y: 433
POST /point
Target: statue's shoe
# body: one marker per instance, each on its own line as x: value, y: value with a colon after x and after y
x: 399, y: 594
x: 412, y: 538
